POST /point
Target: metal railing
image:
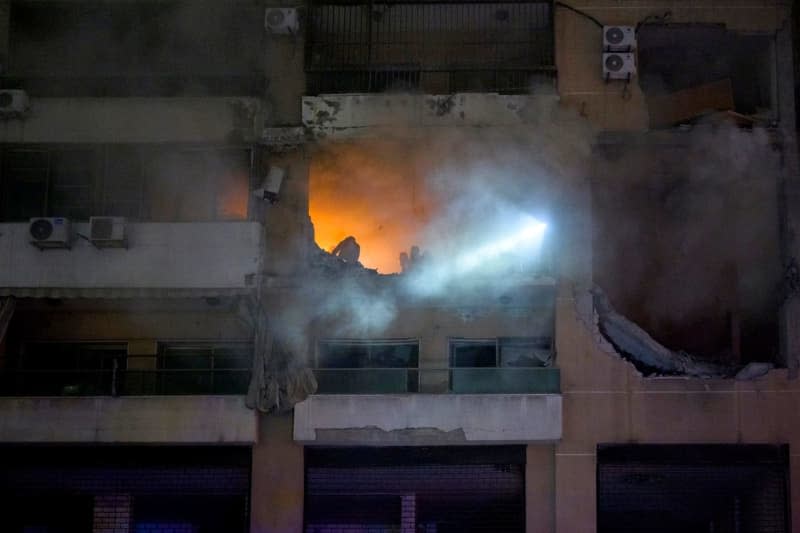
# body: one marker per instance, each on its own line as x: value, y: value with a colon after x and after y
x: 120, y: 382
x: 434, y: 46
x: 506, y: 380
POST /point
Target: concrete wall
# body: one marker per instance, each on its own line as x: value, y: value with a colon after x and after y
x: 136, y: 120
x: 276, y: 502
x: 143, y: 420
x: 348, y: 115
x: 225, y: 255
x: 427, y: 419
x: 579, y: 46
x: 607, y: 401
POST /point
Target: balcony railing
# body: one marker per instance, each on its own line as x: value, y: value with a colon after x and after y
x: 123, y: 382
x: 506, y: 380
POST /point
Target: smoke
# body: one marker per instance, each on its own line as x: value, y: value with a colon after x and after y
x: 475, y: 201
x: 686, y: 237
x: 138, y: 48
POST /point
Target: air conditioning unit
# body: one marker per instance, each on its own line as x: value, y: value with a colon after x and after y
x: 282, y: 20
x: 618, y: 66
x: 619, y: 38
x: 13, y: 103
x: 107, y: 232
x: 52, y: 232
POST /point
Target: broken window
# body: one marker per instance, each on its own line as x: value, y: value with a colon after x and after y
x: 361, y: 366
x: 501, y: 352
x: 665, y: 488
x: 177, y: 185
x: 434, y: 47
x: 438, y: 489
x: 689, y: 70
x: 102, y: 49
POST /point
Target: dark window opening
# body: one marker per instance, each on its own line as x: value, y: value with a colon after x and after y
x: 136, y: 182
x: 692, y: 488
x: 415, y: 489
x: 103, y: 369
x: 433, y: 47
x: 713, y: 68
x: 203, y: 368
x: 136, y: 49
x: 367, y: 366
x: 58, y: 368
x: 501, y: 352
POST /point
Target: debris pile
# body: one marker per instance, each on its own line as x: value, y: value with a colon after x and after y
x: 651, y: 358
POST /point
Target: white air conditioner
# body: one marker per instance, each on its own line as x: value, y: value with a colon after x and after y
x: 13, y: 103
x: 52, y: 232
x: 618, y: 66
x: 107, y: 232
x: 282, y: 20
x: 619, y: 38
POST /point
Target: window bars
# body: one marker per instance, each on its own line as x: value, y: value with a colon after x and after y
x: 435, y: 47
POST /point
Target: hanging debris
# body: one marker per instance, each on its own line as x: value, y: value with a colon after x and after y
x: 649, y: 357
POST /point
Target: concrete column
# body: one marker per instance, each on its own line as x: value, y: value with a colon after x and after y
x: 408, y: 513
x: 112, y: 513
x: 277, y: 484
x: 540, y: 489
x: 789, y: 200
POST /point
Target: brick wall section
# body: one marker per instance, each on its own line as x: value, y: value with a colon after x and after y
x: 112, y: 513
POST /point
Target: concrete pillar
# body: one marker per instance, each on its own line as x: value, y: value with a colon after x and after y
x: 540, y: 489
x: 789, y: 198
x: 112, y: 513
x: 408, y: 513
x: 276, y: 492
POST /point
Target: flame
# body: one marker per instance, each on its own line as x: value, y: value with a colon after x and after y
x: 380, y: 200
x: 232, y: 196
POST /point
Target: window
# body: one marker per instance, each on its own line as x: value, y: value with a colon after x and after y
x: 65, y: 368
x: 368, y: 354
x: 144, y: 48
x: 136, y: 182
x: 435, y: 47
x: 204, y: 368
x: 367, y: 366
x: 501, y: 352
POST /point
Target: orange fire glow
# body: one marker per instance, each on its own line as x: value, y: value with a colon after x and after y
x: 373, y: 193
x: 233, y: 196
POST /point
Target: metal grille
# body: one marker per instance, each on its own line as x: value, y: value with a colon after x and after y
x: 125, y: 489
x: 692, y: 488
x: 410, y: 490
x: 435, y: 47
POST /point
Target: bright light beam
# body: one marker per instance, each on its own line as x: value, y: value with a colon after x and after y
x: 531, y: 233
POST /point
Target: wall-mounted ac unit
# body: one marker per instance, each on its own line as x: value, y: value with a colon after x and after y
x: 282, y: 20
x: 618, y: 66
x: 107, y: 232
x: 49, y: 232
x: 13, y: 103
x: 619, y: 38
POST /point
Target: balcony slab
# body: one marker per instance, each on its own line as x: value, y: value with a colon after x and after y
x: 427, y: 419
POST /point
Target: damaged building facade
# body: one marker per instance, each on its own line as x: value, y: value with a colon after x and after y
x: 573, y: 306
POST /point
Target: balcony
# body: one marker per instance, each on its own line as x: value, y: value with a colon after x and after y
x: 161, y: 260
x: 427, y: 407
x: 508, y: 380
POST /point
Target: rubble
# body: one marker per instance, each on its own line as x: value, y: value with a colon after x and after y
x: 649, y: 357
